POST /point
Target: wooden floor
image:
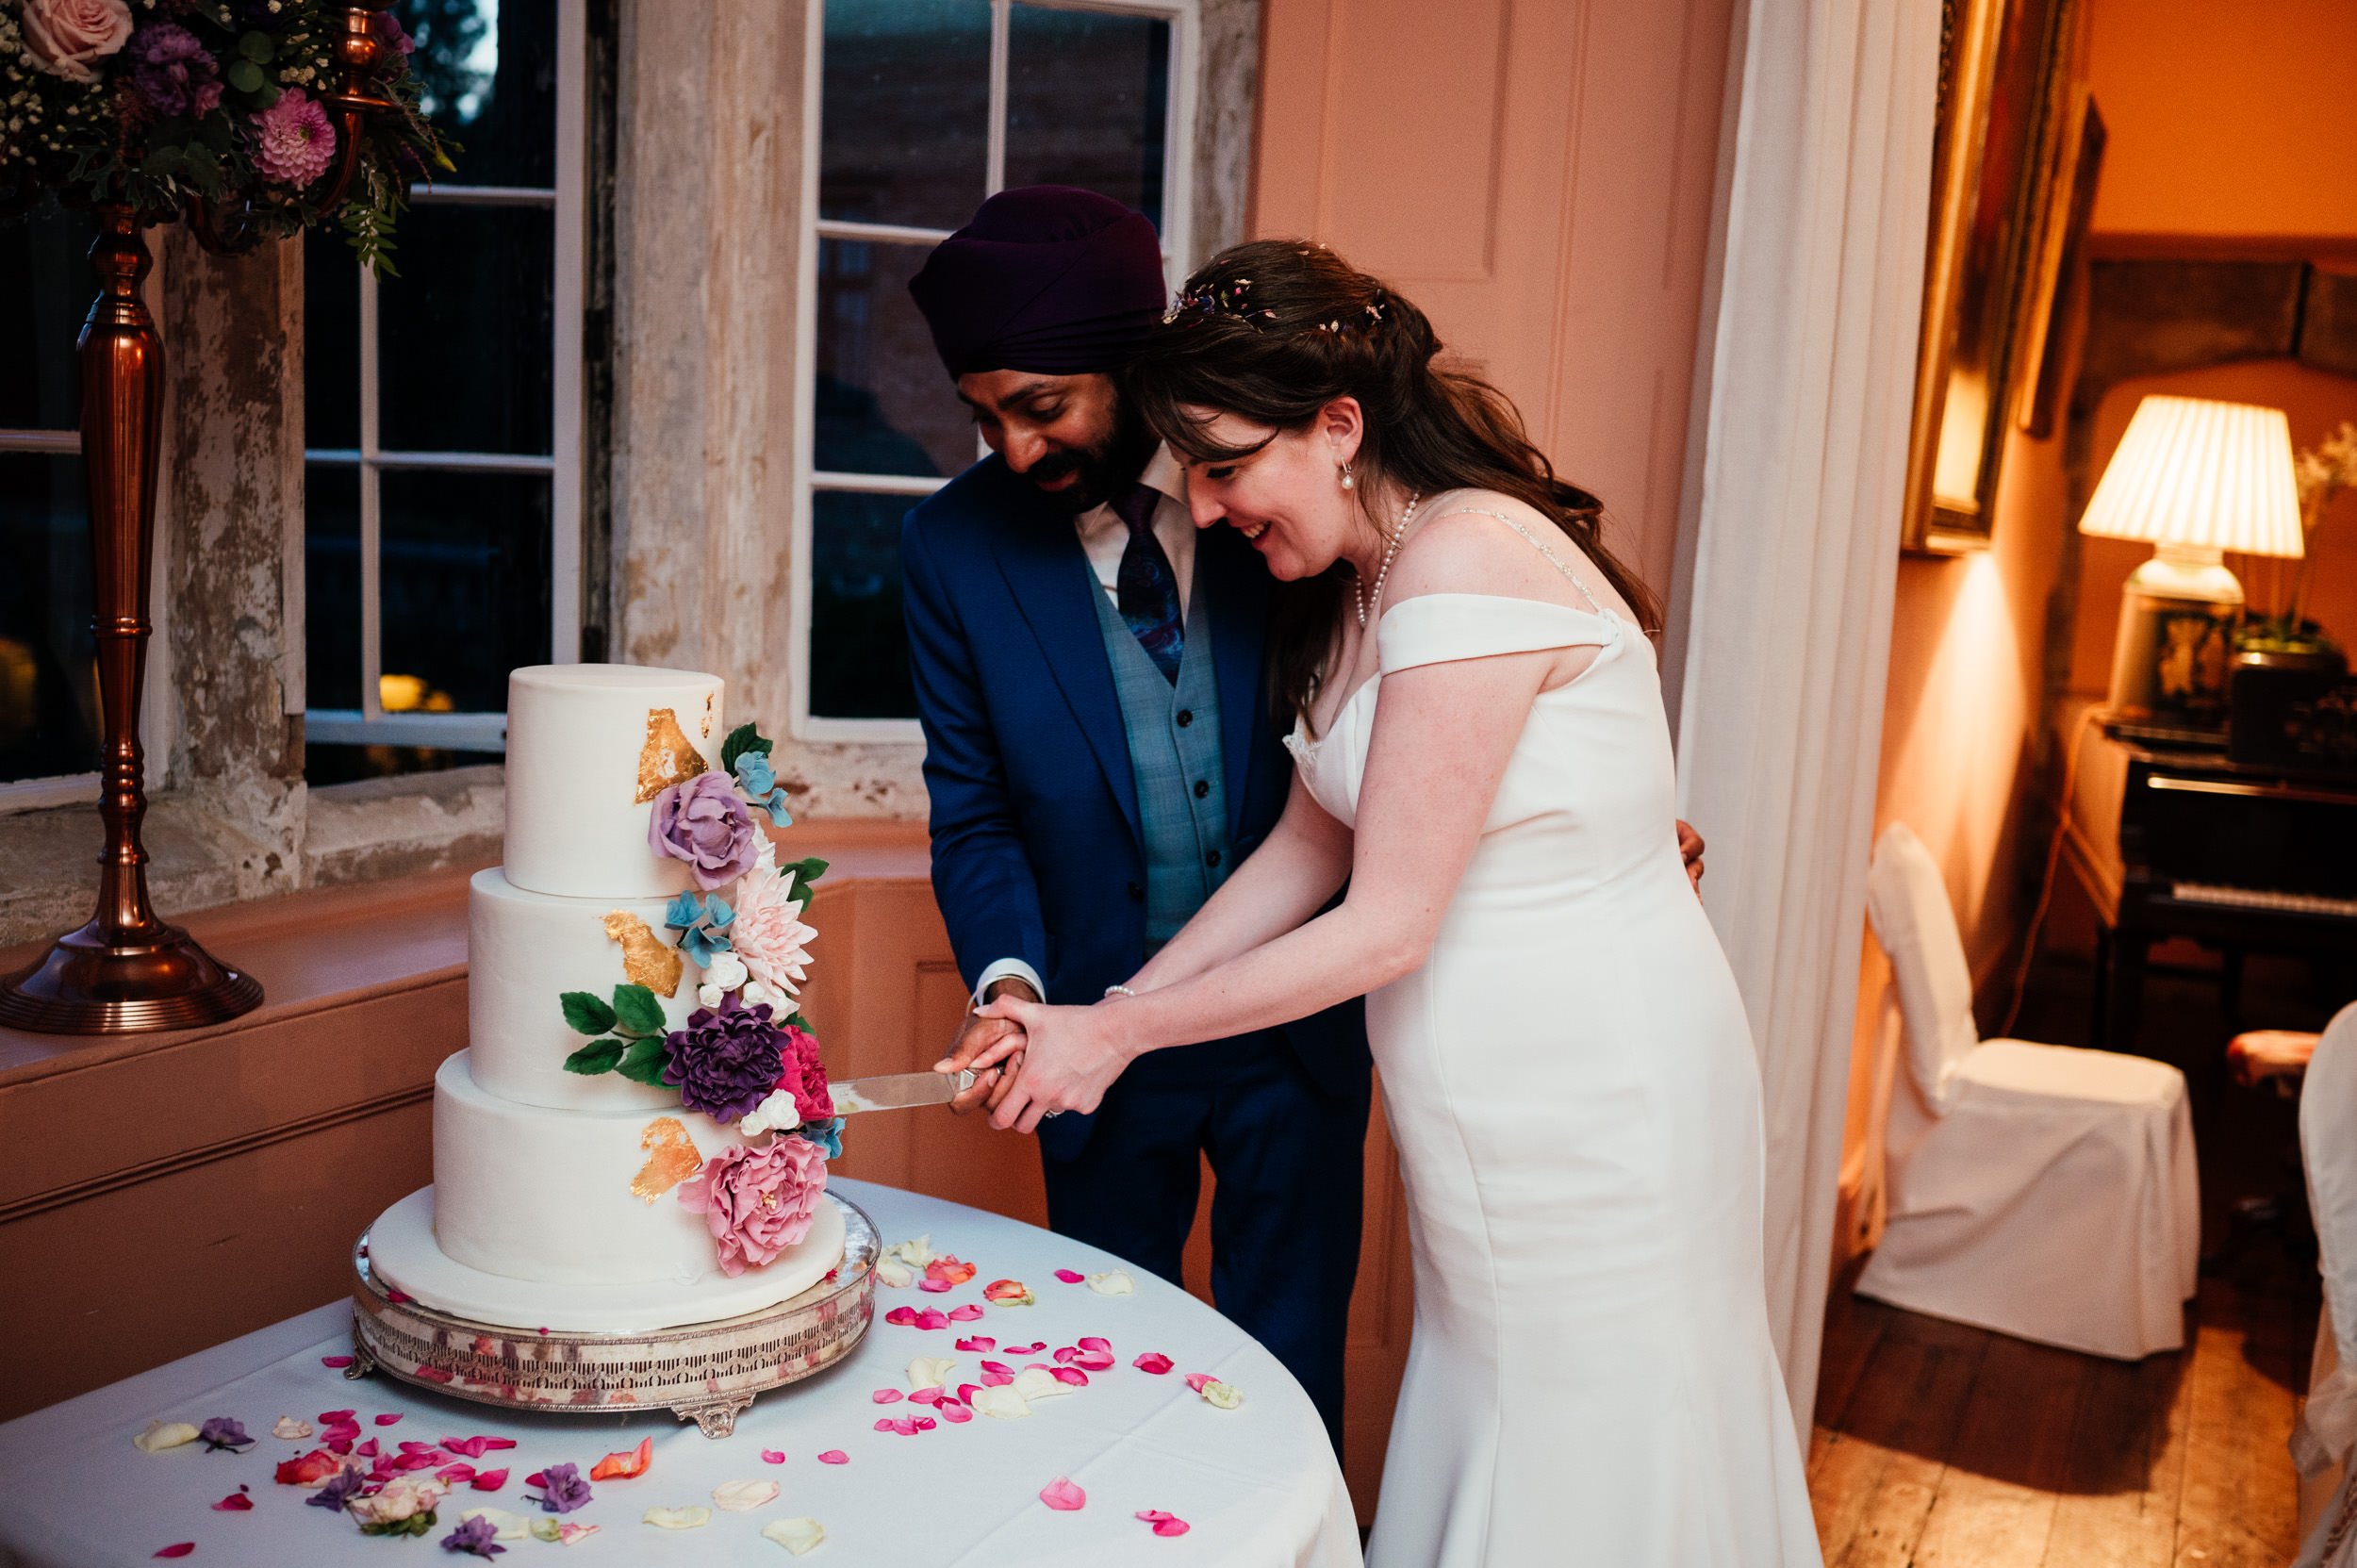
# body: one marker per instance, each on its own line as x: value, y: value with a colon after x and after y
x: 1937, y: 1444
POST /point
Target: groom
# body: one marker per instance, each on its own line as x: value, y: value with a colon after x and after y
x: 1101, y: 755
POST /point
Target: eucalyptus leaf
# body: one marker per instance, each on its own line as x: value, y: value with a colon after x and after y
x: 643, y: 1062
x: 598, y: 1056
x: 244, y: 75
x: 258, y: 47
x: 586, y: 1015
x: 640, y: 1012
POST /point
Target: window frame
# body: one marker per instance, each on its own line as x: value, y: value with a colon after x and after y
x: 1185, y: 20
x: 568, y: 203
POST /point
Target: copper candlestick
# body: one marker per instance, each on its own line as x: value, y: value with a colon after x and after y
x: 127, y: 970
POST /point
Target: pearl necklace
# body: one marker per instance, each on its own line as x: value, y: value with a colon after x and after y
x: 1391, y: 548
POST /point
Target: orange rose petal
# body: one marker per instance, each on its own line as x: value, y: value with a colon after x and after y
x: 622, y: 1466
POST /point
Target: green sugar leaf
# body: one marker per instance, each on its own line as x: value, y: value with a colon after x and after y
x: 806, y: 872
x: 744, y: 738
x: 586, y: 1015
x: 643, y: 1062
x: 640, y: 1012
x: 598, y: 1056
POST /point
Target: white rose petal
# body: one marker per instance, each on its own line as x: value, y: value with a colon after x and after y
x: 893, y: 1272
x: 693, y: 1516
x: 1225, y: 1395
x: 930, y: 1372
x: 919, y: 1252
x: 795, y: 1535
x: 161, y: 1435
x: 1037, y: 1382
x: 505, y: 1525
x: 1003, y: 1402
x: 1113, y: 1282
x: 292, y: 1429
x: 744, y: 1496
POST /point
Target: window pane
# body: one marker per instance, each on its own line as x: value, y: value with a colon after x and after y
x: 48, y: 675
x: 906, y: 121
x: 342, y: 764
x: 1087, y: 97
x: 45, y: 289
x: 859, y: 648
x: 331, y: 341
x: 464, y: 569
x: 331, y: 586
x: 464, y: 335
x: 884, y: 404
x: 488, y: 70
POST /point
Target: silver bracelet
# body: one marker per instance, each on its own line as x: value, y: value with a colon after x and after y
x: 1119, y: 991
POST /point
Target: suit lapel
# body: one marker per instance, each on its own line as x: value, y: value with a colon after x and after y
x: 1239, y: 586
x: 1039, y: 553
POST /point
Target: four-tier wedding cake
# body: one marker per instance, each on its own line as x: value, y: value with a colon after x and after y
x: 637, y: 1136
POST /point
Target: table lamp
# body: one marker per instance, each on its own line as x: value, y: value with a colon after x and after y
x: 2196, y: 477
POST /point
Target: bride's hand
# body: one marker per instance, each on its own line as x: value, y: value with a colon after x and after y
x: 1071, y: 1056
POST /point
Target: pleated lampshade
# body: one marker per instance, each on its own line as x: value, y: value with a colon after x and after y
x: 2204, y: 474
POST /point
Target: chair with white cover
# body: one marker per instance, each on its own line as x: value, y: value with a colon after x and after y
x: 2327, y: 1432
x: 2041, y: 1191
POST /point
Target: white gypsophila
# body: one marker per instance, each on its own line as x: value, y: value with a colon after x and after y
x: 777, y: 1113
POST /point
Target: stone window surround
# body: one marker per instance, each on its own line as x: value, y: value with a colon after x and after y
x: 689, y: 491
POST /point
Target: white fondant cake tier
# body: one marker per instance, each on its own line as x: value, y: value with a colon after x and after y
x: 540, y: 1195
x: 577, y: 735
x: 402, y: 1253
x: 524, y: 951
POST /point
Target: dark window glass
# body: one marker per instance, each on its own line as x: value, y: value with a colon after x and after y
x: 331, y: 341
x: 884, y: 404
x: 348, y: 763
x: 48, y: 676
x: 905, y: 129
x: 464, y: 587
x: 331, y: 586
x: 487, y: 72
x: 860, y: 668
x: 1088, y: 100
x: 464, y: 335
x: 46, y: 287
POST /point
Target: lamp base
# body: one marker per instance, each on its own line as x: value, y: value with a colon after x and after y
x: 87, y: 983
x: 2178, y: 612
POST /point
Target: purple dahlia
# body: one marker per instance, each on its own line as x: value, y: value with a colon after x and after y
x: 727, y: 1060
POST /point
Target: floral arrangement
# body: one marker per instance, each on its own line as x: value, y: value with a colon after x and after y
x: 745, y: 1056
x: 209, y: 106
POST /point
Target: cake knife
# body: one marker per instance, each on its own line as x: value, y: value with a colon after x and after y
x: 897, y: 1091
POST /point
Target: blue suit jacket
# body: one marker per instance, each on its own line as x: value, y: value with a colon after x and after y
x: 1036, y: 848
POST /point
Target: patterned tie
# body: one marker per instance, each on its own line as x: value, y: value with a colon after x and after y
x: 1147, y: 589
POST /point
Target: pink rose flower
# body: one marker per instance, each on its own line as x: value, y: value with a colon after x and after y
x: 294, y: 142
x: 767, y: 935
x: 704, y: 824
x: 65, y: 36
x: 757, y: 1202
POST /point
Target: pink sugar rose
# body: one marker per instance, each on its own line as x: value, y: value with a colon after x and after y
x: 294, y: 142
x: 65, y: 36
x: 805, y: 1077
x: 705, y: 823
x: 757, y: 1202
x: 767, y: 934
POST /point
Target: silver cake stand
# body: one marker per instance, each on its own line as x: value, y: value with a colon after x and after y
x: 704, y: 1372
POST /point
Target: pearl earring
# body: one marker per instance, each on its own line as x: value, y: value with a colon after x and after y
x: 1349, y: 481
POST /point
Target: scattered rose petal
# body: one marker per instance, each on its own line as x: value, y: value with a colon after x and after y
x: 967, y: 1313
x: 977, y: 1343
x: 932, y: 1317
x: 907, y: 1427
x: 950, y: 1266
x: 924, y: 1423
x: 936, y: 1286
x: 834, y: 1456
x: 312, y: 1469
x: 505, y: 1525
x: 538, y: 1478
x: 883, y: 1423
x: 1071, y: 1375
x: 180, y: 1548
x: 930, y: 1371
x: 693, y: 1516
x: 956, y: 1415
x: 565, y: 1531
x: 336, y: 1361
x: 1070, y: 1275
x: 1031, y: 1349
x: 1225, y: 1395
x: 928, y: 1396
x: 893, y: 1272
x: 623, y: 1466
x: 388, y: 1419
x: 773, y: 1456
x: 488, y: 1480
x: 887, y: 1396
x: 1038, y: 1383
x: 286, y: 1426
x: 1004, y: 1403
x: 1154, y: 1362
x: 1062, y: 1496
x: 996, y: 1379
x: 160, y: 1435
x: 474, y: 1447
x: 1114, y: 1281
x: 450, y: 1475
x: 919, y: 1252
x: 1001, y: 1368
x: 744, y: 1496
x: 1196, y: 1380
x: 1009, y: 1293
x: 236, y: 1502
x: 1164, y: 1523
x: 904, y: 1317
x: 795, y: 1535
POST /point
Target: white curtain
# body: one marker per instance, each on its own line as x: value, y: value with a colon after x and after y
x: 1810, y: 369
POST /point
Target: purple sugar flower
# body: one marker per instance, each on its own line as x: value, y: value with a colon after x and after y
x: 475, y: 1536
x: 704, y: 824
x: 562, y: 1489
x: 173, y: 71
x: 727, y: 1060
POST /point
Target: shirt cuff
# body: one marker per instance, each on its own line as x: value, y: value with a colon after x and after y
x: 1009, y: 968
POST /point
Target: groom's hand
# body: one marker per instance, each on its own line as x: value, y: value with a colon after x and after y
x: 977, y: 1035
x: 1690, y: 850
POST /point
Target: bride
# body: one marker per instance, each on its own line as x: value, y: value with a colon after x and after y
x: 1483, y: 771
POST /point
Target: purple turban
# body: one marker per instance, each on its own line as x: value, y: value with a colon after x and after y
x: 1045, y: 279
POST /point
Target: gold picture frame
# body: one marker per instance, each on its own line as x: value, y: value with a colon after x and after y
x: 2008, y: 70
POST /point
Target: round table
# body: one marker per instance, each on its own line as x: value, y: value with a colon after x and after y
x: 1256, y: 1485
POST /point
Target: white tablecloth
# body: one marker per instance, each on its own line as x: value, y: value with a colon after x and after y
x: 1257, y: 1484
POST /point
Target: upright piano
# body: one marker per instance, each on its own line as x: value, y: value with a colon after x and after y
x: 2171, y: 840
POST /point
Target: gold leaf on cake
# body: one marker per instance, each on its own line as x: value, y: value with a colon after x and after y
x: 667, y: 758
x: 709, y: 696
x: 647, y: 958
x: 672, y: 1159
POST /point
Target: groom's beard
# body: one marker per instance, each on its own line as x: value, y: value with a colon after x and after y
x: 1105, y: 470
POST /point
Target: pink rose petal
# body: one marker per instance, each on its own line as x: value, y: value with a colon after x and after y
x: 1196, y: 1380
x: 1062, y: 1496
x: 488, y: 1480
x: 1070, y: 1275
x: 967, y: 1313
x: 1065, y: 1354
x: 1072, y: 1375
x: 324, y: 1360
x: 957, y: 1415
x: 926, y: 1396
x: 450, y: 1475
x: 388, y: 1419
x: 181, y: 1549
x: 924, y: 1423
x: 977, y: 1342
x: 1164, y: 1523
x: 936, y: 1286
x: 968, y: 1390
x: 1154, y: 1362
x: 1031, y: 1349
x: 905, y: 1426
x: 1000, y: 1368
x: 236, y: 1502
x: 537, y: 1477
x: 934, y: 1317
x: 331, y: 1418
x: 996, y: 1379
x: 773, y: 1456
x: 367, y: 1450
x: 834, y: 1456
x: 883, y: 1423
x: 886, y: 1397
x: 474, y: 1447
x: 904, y: 1317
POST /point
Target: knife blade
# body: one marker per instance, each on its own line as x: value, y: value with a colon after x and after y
x: 898, y: 1091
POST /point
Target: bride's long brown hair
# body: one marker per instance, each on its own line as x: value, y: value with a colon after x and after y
x: 1273, y: 330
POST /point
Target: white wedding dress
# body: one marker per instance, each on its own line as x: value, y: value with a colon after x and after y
x: 1571, y: 1083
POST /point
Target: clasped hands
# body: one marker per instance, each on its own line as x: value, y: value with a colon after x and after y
x: 1030, y: 1061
